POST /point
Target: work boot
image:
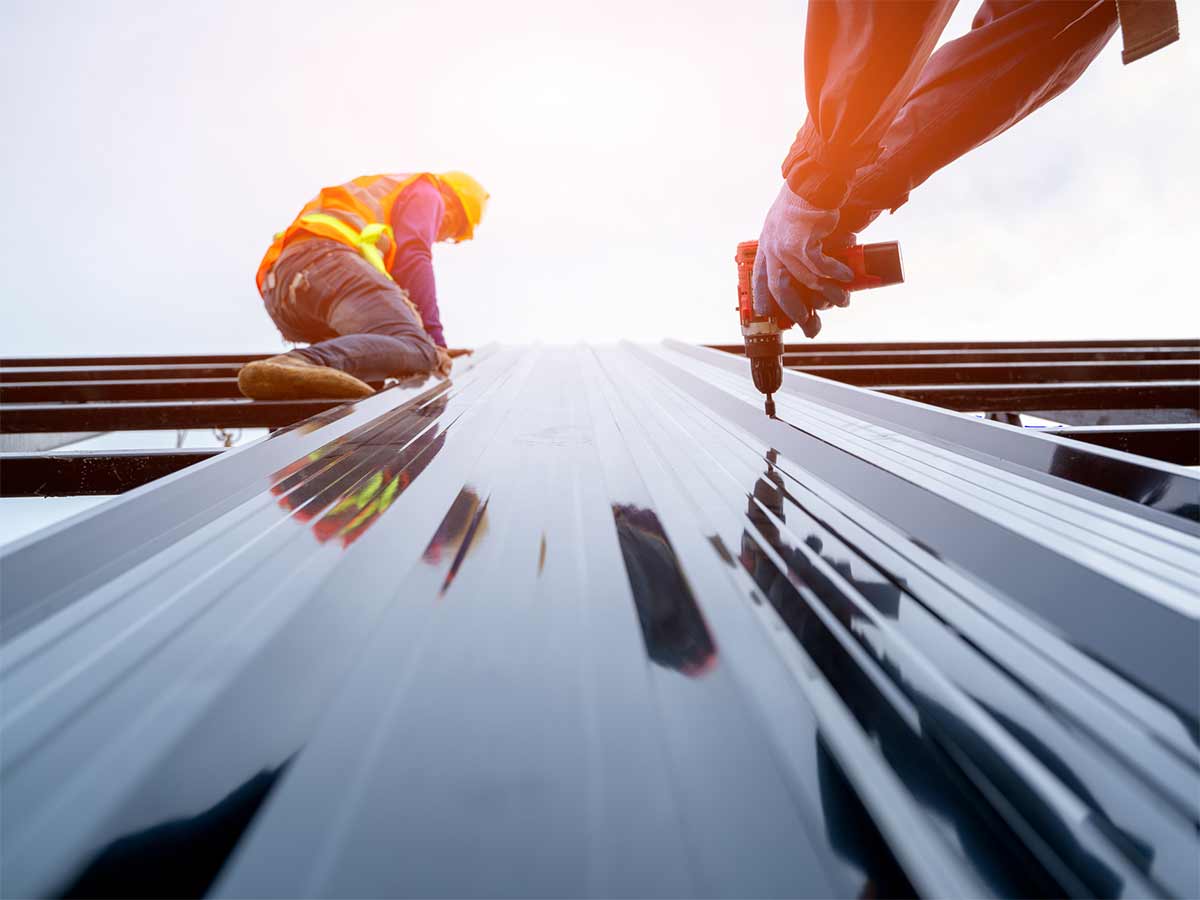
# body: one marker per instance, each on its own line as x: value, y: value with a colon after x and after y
x: 291, y: 377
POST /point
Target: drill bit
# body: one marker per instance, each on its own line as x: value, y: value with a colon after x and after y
x: 769, y: 406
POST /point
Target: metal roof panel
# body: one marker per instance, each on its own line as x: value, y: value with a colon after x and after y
x: 584, y: 622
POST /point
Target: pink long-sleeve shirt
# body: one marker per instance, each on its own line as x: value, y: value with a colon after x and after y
x: 416, y: 220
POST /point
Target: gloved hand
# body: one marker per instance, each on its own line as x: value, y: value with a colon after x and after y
x: 444, y: 363
x: 791, y: 270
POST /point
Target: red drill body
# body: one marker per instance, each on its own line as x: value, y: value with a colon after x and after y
x: 874, y: 265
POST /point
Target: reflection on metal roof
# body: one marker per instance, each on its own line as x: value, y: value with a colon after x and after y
x: 584, y: 622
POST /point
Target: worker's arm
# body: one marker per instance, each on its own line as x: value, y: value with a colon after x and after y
x: 416, y: 217
x: 1015, y: 59
x: 860, y: 62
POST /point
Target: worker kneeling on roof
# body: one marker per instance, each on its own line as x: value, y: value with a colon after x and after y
x: 353, y: 277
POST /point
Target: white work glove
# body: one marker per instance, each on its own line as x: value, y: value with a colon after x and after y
x: 791, y: 270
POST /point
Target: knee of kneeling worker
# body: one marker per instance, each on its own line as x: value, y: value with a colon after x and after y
x: 429, y: 352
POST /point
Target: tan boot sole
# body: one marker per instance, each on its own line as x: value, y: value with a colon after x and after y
x: 268, y: 380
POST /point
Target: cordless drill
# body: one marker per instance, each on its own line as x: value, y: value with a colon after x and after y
x: 874, y: 265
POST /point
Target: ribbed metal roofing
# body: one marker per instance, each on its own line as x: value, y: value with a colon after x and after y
x: 585, y: 622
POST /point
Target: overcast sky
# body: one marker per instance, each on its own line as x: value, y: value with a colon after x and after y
x: 152, y: 148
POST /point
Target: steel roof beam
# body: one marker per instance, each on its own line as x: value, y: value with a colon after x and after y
x: 1179, y: 444
x: 938, y: 346
x: 88, y: 361
x: 815, y: 357
x: 80, y: 473
x: 1129, y: 396
x: 1010, y: 373
x: 132, y: 389
x: 23, y: 418
x: 118, y: 372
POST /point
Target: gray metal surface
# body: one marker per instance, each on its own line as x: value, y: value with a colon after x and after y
x: 584, y: 622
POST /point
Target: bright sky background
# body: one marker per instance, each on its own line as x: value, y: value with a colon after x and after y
x: 151, y: 149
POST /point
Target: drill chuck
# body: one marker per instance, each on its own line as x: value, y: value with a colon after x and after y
x: 766, y: 360
x: 767, y: 374
x: 764, y: 347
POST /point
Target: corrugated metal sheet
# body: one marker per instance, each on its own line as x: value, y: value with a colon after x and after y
x: 584, y: 622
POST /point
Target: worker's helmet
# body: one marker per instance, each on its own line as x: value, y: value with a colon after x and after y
x: 471, y: 195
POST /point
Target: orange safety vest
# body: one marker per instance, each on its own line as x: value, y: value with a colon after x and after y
x: 357, y: 213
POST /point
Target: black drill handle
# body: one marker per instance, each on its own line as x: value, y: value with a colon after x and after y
x: 873, y: 265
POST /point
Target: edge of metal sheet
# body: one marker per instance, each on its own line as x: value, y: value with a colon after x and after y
x: 1161, y: 491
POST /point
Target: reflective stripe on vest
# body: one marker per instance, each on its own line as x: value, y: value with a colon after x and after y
x: 364, y: 241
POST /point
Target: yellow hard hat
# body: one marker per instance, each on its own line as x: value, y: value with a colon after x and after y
x: 471, y: 195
